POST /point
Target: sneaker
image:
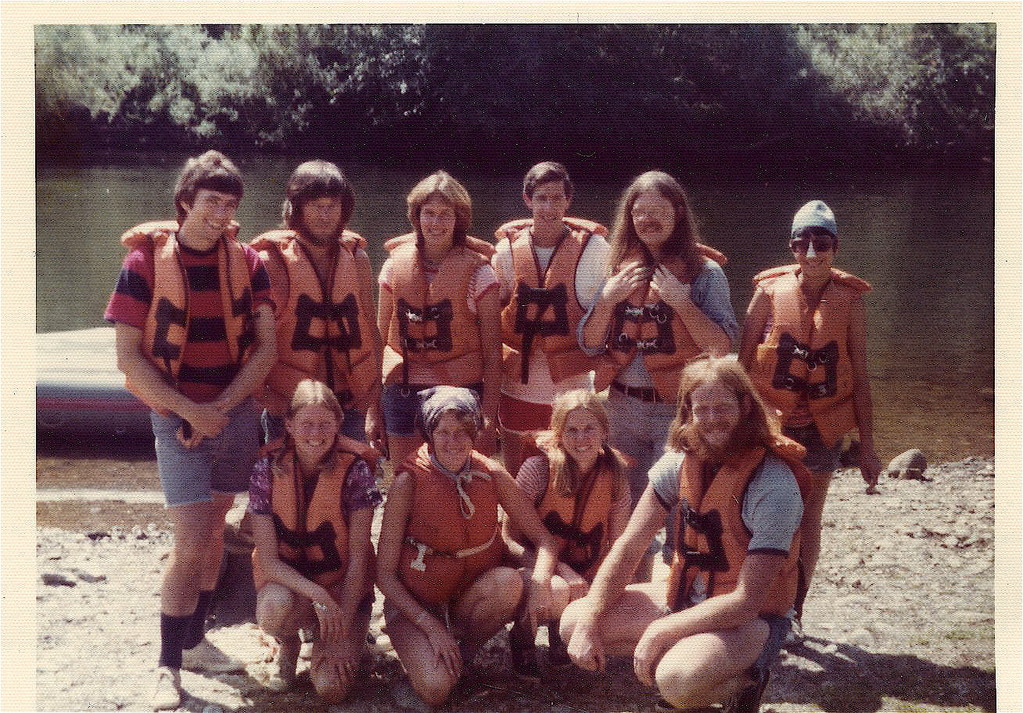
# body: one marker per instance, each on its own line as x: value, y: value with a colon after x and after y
x: 748, y: 699
x: 167, y: 694
x: 795, y: 637
x: 283, y: 679
x: 204, y: 656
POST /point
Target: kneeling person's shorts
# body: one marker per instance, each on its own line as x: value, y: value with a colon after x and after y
x: 222, y: 464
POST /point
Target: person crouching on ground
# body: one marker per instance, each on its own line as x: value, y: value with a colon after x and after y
x: 579, y: 488
x: 195, y: 338
x: 711, y: 634
x: 440, y: 563
x: 804, y: 344
x: 312, y: 499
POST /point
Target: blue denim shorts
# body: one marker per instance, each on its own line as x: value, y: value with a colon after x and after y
x: 354, y: 425
x: 820, y: 458
x: 217, y: 465
x: 401, y: 406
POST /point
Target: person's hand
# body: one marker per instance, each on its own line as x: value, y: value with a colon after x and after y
x: 376, y: 434
x: 332, y: 622
x: 619, y: 286
x: 339, y: 656
x: 585, y: 648
x: 577, y: 586
x: 445, y: 646
x: 538, y: 604
x: 205, y: 420
x: 648, y: 654
x: 673, y: 291
x: 870, y: 468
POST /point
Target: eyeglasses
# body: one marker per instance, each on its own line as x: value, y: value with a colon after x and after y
x: 820, y: 244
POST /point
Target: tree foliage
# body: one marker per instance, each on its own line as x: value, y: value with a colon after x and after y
x: 623, y: 94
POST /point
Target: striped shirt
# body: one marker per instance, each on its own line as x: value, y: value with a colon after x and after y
x: 206, y: 365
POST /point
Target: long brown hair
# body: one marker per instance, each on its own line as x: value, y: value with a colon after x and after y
x: 757, y: 427
x: 310, y: 392
x: 443, y: 186
x: 681, y: 245
x: 311, y: 181
x: 564, y: 471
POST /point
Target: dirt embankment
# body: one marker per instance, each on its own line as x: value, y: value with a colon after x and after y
x: 901, y: 616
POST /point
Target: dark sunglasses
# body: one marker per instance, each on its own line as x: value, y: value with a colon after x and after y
x: 821, y: 244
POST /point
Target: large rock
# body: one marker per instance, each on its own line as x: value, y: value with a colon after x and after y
x: 908, y: 466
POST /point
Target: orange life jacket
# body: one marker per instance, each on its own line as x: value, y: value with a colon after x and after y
x: 166, y: 329
x: 313, y: 536
x: 431, y: 322
x: 645, y: 324
x: 545, y: 306
x: 481, y: 246
x: 581, y: 524
x: 712, y: 539
x: 444, y: 550
x: 323, y: 326
x: 806, y: 354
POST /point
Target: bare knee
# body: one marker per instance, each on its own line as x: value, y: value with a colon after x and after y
x: 276, y: 610
x: 433, y: 690
x: 329, y: 685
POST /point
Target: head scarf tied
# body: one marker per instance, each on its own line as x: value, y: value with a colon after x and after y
x: 435, y: 403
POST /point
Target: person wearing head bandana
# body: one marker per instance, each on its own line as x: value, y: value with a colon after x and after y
x: 441, y: 556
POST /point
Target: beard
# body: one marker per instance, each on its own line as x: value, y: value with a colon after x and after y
x: 715, y: 453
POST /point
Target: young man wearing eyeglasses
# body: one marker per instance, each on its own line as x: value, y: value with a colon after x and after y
x: 804, y: 345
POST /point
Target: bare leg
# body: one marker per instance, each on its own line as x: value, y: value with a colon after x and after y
x: 624, y: 622
x: 335, y: 664
x: 198, y: 538
x: 810, y: 529
x: 427, y: 674
x: 281, y: 613
x: 708, y: 668
x: 489, y: 603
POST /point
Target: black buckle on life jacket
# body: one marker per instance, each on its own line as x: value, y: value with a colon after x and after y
x: 659, y: 313
x: 789, y: 349
x: 440, y: 314
x: 166, y: 315
x: 583, y: 547
x: 344, y: 315
x: 322, y: 538
x: 709, y: 525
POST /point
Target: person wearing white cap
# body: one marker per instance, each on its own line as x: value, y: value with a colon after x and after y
x: 804, y: 345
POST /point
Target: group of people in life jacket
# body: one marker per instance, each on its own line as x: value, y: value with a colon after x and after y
x: 271, y: 368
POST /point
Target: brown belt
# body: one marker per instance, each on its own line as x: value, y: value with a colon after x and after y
x: 648, y: 395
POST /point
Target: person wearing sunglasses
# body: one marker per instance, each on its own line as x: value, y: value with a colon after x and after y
x: 804, y: 345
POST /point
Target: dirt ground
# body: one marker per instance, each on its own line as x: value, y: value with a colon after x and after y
x: 901, y: 616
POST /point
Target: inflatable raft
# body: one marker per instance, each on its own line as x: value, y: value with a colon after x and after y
x: 79, y: 388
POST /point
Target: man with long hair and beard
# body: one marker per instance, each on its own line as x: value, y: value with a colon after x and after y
x: 711, y: 635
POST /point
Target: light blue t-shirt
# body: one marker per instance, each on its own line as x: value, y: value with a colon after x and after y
x: 772, y: 509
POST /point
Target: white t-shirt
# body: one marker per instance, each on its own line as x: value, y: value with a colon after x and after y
x: 589, y: 277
